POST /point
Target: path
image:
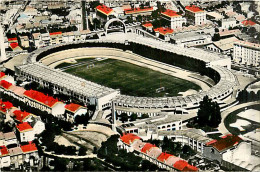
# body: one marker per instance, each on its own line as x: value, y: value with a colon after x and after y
x: 222, y: 128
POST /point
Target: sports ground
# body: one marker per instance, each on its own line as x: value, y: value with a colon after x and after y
x: 131, y: 79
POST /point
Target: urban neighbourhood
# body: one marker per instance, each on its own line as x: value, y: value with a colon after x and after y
x: 129, y: 85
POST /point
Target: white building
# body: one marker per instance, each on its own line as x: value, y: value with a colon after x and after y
x: 227, y: 23
x: 25, y: 132
x: 190, y: 39
x: 246, y: 53
x: 174, y: 19
x: 195, y: 15
x: 224, y: 46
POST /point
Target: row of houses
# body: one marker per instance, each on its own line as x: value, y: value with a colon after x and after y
x: 41, y: 101
x: 133, y: 143
x: 17, y: 147
x: 27, y: 124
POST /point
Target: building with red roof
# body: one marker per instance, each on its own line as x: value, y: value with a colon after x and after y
x: 147, y: 147
x: 55, y: 37
x: 133, y: 143
x: 195, y: 15
x: 5, y: 84
x: 148, y: 25
x: 25, y: 132
x: 55, y: 33
x: 2, y: 75
x: 31, y: 147
x: 72, y: 110
x: 41, y: 98
x: 10, y: 40
x: 104, y: 12
x: 226, y: 148
x: 163, y: 32
x: 3, y: 151
x: 44, y: 102
x: 104, y: 9
x: 248, y: 23
x: 134, y: 12
x: 72, y: 107
x: 21, y: 116
x: 194, y: 9
x: 175, y: 20
x: 182, y: 165
x: 4, y: 106
x: 129, y: 138
x: 163, y: 157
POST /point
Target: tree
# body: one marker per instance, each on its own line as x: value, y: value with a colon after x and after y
x: 96, y: 23
x: 251, y: 31
x: 60, y: 164
x: 142, y: 6
x: 82, y: 151
x: 209, y: 113
x: 139, y: 18
x: 143, y: 116
x: 129, y: 19
x: 124, y: 117
x: 148, y: 166
x: 133, y: 117
x: 216, y: 37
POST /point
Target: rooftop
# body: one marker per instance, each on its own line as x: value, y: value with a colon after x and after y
x: 248, y: 44
x: 72, y: 107
x: 9, y: 135
x: 170, y: 13
x: 129, y: 138
x: 20, y: 115
x: 2, y: 74
x: 147, y: 147
x: 148, y: 24
x: 3, y: 151
x: 137, y: 10
x: 163, y: 157
x: 40, y: 97
x: 55, y: 33
x: 15, y: 151
x: 164, y: 30
x: 65, y: 80
x: 226, y: 142
x: 184, y: 166
x: 194, y: 9
x: 225, y: 44
x: 5, y: 106
x: 31, y: 147
x: 23, y: 127
x: 104, y: 9
x: 248, y: 23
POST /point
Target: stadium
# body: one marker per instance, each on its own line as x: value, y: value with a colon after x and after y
x: 206, y: 70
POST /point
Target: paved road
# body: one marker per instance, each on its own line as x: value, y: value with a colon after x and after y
x: 225, y: 113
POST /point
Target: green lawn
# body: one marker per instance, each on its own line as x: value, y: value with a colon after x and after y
x: 132, y: 79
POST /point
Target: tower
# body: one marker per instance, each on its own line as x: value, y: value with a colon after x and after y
x: 2, y: 45
x: 113, y: 117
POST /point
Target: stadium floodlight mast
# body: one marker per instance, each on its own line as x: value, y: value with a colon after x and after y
x: 2, y: 44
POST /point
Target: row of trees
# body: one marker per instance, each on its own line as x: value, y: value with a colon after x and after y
x: 133, y: 117
x: 174, y: 148
x: 245, y: 96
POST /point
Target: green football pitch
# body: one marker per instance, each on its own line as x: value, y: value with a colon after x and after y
x: 131, y: 79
